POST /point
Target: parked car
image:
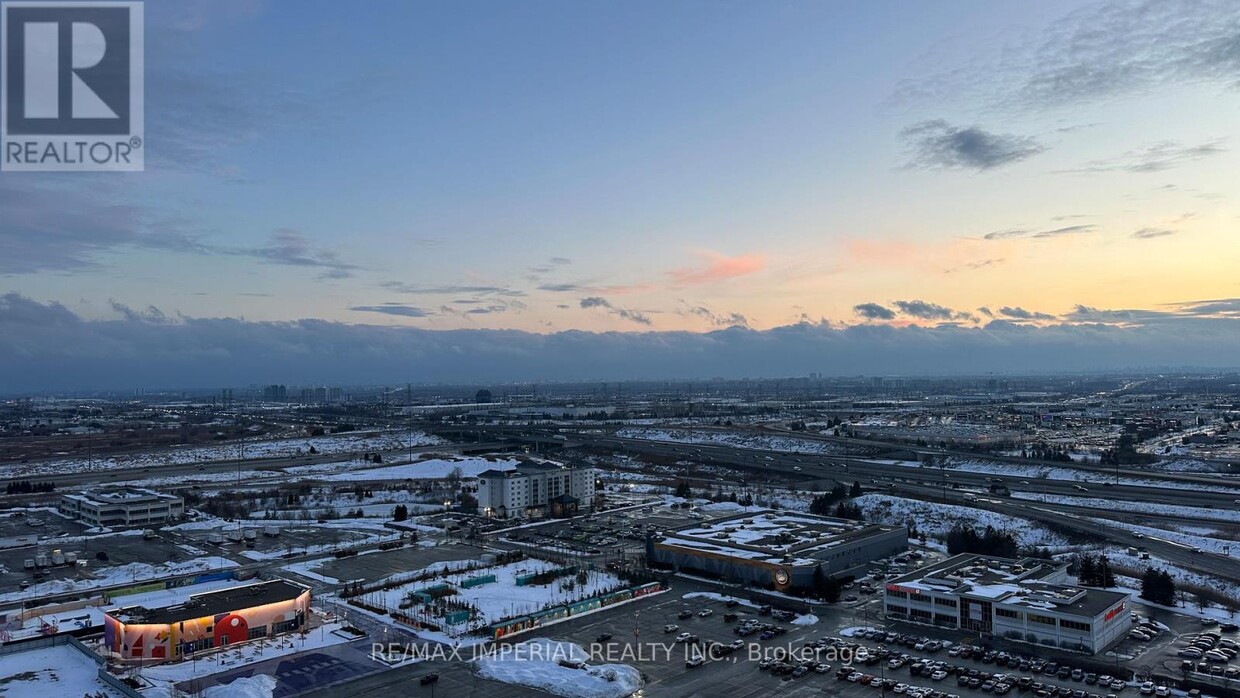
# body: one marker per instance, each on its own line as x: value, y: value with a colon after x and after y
x: 428, y: 679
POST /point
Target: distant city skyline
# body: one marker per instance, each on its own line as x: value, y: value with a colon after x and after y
x: 554, y: 190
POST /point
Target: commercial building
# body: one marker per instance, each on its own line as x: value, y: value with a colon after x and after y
x: 128, y: 506
x: 212, y: 619
x: 1026, y: 600
x: 536, y: 489
x: 780, y: 549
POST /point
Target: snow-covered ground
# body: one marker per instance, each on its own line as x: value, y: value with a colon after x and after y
x: 132, y: 573
x: 429, y: 469
x: 503, y: 598
x: 1218, y: 546
x: 759, y: 441
x: 536, y: 664
x: 1131, y: 507
x: 260, y: 686
x: 209, y: 663
x: 49, y: 672
x: 934, y: 519
x: 1185, y: 465
x: 328, y: 444
x: 1120, y: 556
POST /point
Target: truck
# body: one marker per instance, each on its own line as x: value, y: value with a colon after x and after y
x: 271, y: 531
x: 251, y: 534
x: 58, y: 558
x: 215, y: 539
x: 1000, y: 489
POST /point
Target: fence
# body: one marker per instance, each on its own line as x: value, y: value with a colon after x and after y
x: 59, y: 640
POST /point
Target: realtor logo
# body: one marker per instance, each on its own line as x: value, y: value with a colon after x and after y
x: 72, y: 93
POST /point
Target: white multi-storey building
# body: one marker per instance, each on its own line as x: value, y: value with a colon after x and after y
x: 536, y: 489
x: 1025, y: 600
x: 122, y: 507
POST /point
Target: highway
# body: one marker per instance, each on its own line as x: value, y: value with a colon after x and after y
x: 240, y: 467
x: 944, y: 485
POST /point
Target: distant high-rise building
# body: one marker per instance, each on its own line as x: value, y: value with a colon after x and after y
x: 275, y: 393
x: 482, y: 396
x: 335, y: 395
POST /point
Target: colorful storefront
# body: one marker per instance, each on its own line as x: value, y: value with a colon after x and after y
x: 205, y: 621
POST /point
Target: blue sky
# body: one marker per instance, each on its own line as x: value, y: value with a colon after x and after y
x: 656, y: 167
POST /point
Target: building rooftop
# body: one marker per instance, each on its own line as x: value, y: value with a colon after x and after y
x: 1008, y: 581
x: 126, y: 495
x: 213, y: 603
x: 771, y: 536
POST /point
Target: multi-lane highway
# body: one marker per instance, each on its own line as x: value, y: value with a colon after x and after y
x: 955, y: 486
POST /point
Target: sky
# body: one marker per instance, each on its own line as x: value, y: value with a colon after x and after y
x: 392, y: 190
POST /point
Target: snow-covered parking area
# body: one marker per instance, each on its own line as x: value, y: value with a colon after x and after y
x: 50, y: 672
x: 540, y: 663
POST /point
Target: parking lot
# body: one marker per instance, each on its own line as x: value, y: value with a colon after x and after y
x: 374, y: 566
x: 58, y: 533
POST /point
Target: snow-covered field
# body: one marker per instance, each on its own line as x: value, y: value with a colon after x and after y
x: 132, y: 573
x: 429, y: 469
x: 503, y: 598
x: 1217, y: 546
x: 1120, y: 556
x: 328, y: 444
x: 50, y: 672
x: 758, y: 441
x: 935, y: 519
x: 536, y: 664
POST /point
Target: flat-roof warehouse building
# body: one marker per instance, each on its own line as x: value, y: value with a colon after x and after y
x: 782, y: 549
x: 1027, y: 600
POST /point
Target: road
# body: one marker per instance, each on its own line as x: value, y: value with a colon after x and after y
x: 933, y: 484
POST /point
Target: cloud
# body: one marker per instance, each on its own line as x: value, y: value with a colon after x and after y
x: 150, y: 314
x: 924, y: 310
x: 718, y: 319
x: 1154, y: 158
x: 975, y: 265
x: 50, y: 225
x: 986, y: 311
x: 633, y: 315
x: 561, y: 288
x: 393, y: 309
x: 66, y: 227
x: 1019, y: 313
x: 873, y: 311
x: 451, y: 290
x: 289, y: 247
x: 1150, y: 46
x: 1149, y: 233
x: 1041, y: 234
x: 937, y: 144
x: 45, y: 347
x: 718, y: 268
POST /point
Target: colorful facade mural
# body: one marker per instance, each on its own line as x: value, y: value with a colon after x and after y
x: 177, y: 638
